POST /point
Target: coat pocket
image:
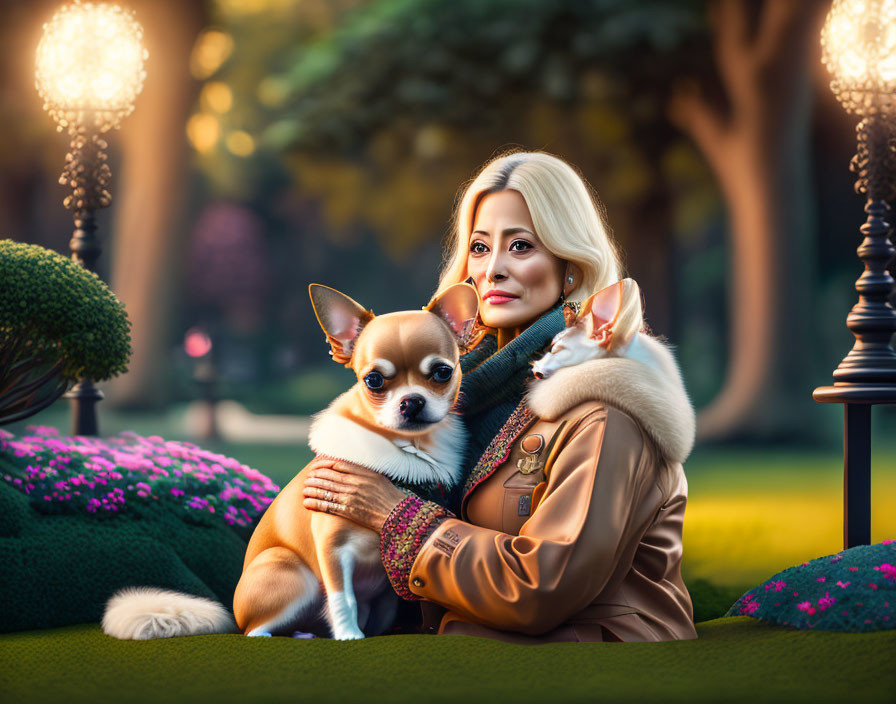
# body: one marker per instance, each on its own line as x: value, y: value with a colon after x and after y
x: 517, y: 508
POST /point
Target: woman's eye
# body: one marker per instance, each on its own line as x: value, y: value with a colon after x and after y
x: 442, y: 373
x: 478, y: 248
x: 374, y: 380
x: 523, y: 246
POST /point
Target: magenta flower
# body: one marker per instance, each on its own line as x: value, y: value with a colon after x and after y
x: 825, y: 601
x: 888, y: 570
x: 749, y: 608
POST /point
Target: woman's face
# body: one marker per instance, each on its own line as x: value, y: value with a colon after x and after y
x: 518, y: 279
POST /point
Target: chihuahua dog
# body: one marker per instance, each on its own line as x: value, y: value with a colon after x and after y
x: 303, y: 566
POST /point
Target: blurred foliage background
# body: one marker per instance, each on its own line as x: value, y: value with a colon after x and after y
x: 327, y: 141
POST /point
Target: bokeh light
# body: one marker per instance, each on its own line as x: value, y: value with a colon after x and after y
x: 216, y: 96
x: 212, y: 48
x: 240, y: 143
x: 203, y: 131
x: 90, y: 64
x: 859, y: 49
x: 197, y: 343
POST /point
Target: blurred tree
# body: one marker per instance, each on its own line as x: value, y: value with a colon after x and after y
x: 148, y: 234
x: 756, y: 140
x: 434, y: 83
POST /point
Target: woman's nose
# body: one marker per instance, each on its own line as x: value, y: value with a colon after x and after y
x: 496, y: 271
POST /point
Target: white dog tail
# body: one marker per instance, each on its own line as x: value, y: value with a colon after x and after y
x: 146, y: 613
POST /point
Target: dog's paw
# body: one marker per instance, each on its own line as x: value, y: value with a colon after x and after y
x: 348, y: 634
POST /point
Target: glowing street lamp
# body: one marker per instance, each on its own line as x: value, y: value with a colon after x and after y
x: 89, y: 71
x: 859, y: 48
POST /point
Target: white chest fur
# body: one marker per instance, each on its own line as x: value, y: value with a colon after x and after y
x: 436, y: 459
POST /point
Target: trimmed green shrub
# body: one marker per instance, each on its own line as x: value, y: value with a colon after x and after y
x: 58, y: 322
x: 82, y: 517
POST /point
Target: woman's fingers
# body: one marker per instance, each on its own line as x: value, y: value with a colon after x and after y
x: 324, y: 494
x: 326, y: 507
x: 351, y: 491
x: 326, y: 484
x: 331, y: 475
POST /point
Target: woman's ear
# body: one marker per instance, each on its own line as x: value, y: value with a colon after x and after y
x: 572, y: 278
x: 341, y: 318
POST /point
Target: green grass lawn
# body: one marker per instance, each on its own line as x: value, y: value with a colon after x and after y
x: 733, y: 660
x: 753, y: 513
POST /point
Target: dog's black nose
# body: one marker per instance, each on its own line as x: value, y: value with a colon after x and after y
x: 411, y: 405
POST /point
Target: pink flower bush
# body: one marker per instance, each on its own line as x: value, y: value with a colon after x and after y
x: 865, y: 579
x: 103, y: 477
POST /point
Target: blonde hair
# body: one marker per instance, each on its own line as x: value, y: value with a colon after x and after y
x: 568, y: 220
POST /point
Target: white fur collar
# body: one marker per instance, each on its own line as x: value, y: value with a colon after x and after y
x: 334, y: 435
x: 646, y: 384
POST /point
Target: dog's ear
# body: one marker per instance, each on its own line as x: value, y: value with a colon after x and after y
x: 341, y: 318
x: 458, y: 305
x: 601, y: 311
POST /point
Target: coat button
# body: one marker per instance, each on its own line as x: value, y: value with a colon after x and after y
x: 532, y: 443
x: 417, y: 582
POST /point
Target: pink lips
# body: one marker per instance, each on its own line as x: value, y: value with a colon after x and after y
x: 497, y: 297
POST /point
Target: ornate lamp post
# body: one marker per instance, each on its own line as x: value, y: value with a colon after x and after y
x: 89, y: 72
x: 859, y: 48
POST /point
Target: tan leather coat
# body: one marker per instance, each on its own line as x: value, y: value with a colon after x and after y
x: 591, y: 552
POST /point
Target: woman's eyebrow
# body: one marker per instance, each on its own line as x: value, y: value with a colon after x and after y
x: 507, y: 232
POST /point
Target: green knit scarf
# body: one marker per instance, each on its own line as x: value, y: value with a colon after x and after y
x: 494, y: 382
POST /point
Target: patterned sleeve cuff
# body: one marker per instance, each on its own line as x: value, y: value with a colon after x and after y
x: 404, y: 532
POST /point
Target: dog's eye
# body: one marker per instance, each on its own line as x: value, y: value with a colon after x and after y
x: 374, y: 380
x: 442, y: 373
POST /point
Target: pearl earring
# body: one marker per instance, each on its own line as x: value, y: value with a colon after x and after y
x: 569, y: 279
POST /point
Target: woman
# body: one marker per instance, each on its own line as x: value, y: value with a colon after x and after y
x: 599, y: 557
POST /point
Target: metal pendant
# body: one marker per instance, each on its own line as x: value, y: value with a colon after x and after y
x: 532, y: 445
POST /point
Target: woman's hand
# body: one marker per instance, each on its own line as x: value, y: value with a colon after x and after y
x: 351, y: 491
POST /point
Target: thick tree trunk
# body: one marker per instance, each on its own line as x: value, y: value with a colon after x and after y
x: 148, y: 231
x: 758, y: 149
